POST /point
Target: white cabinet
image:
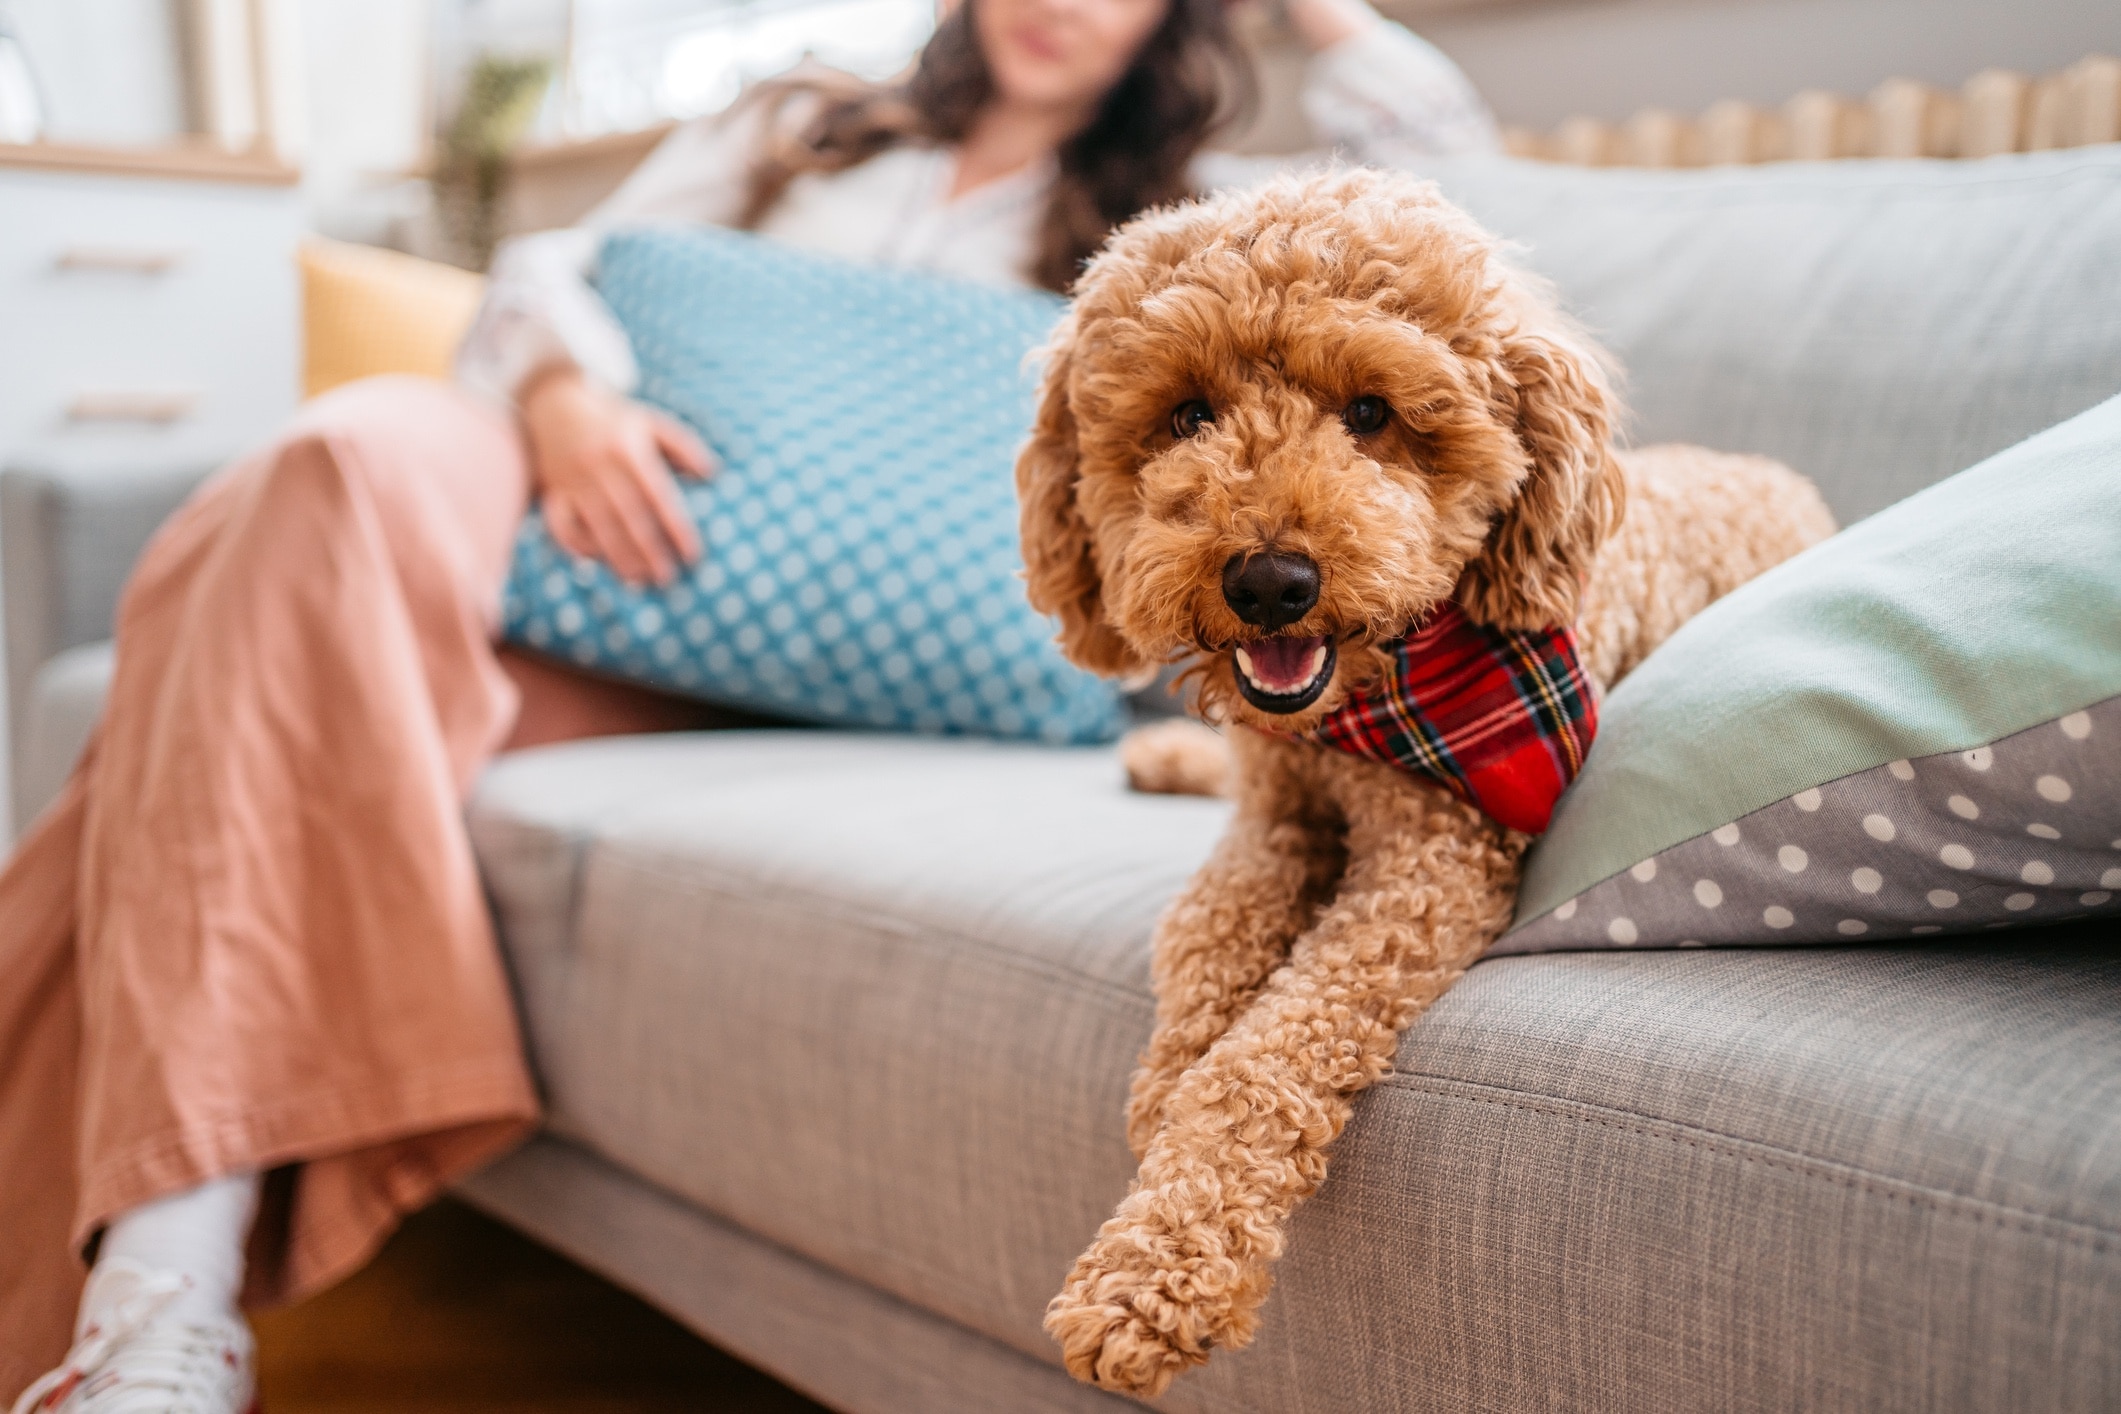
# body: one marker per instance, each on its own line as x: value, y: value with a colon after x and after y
x: 149, y: 321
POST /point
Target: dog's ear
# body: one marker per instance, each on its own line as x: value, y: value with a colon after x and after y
x: 1555, y: 393
x: 1060, y: 572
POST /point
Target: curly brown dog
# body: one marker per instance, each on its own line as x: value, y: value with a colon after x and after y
x: 1277, y: 431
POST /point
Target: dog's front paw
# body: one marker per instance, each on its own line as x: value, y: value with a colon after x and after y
x: 1119, y: 1333
x: 1134, y: 1315
x: 1178, y: 756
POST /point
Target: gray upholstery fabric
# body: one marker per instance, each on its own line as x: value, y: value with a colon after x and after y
x: 845, y: 1344
x: 68, y: 537
x: 911, y: 912
x: 1877, y: 325
x: 875, y: 1000
x: 65, y: 703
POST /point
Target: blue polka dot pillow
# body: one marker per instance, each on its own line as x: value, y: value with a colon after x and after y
x: 1912, y: 729
x: 861, y: 563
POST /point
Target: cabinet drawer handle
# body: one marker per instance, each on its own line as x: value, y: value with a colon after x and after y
x: 132, y: 407
x: 120, y: 260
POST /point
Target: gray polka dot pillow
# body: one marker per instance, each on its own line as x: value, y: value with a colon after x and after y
x: 1912, y: 729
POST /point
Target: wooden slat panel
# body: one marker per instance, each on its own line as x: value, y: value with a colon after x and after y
x: 1997, y: 103
x: 1995, y: 111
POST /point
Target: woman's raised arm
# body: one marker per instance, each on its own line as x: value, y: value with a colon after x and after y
x: 1379, y: 92
x: 1375, y: 93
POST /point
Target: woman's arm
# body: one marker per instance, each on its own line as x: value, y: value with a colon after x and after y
x: 1379, y: 92
x: 602, y: 464
x: 544, y: 341
x: 540, y: 310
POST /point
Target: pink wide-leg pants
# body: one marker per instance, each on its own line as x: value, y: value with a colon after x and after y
x: 251, y: 934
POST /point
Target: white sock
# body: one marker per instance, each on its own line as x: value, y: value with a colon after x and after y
x: 199, y: 1232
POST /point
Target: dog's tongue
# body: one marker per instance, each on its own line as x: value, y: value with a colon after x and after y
x: 1284, y: 665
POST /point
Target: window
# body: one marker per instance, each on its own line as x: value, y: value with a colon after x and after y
x: 636, y: 62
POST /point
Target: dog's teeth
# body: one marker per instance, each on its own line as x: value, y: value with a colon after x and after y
x: 1316, y: 667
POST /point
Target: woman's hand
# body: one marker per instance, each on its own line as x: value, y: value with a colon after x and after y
x: 602, y: 464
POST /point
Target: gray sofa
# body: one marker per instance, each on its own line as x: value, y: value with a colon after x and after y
x: 836, y: 1028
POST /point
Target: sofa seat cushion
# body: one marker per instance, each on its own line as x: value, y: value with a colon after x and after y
x: 876, y: 999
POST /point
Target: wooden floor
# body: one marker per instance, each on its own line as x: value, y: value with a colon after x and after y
x: 463, y: 1315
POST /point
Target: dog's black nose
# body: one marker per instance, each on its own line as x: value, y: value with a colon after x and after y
x: 1272, y: 589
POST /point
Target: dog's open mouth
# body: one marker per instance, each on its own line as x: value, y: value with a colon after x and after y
x: 1284, y: 674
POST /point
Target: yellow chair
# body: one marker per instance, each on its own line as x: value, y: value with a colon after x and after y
x: 366, y: 310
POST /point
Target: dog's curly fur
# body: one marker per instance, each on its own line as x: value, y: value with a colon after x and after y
x: 1346, y: 895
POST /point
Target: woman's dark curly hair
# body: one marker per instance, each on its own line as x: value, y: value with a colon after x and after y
x: 1188, y: 80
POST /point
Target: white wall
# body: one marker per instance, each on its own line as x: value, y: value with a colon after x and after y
x: 111, y: 70
x: 1544, y: 61
x: 464, y: 29
x: 366, y: 73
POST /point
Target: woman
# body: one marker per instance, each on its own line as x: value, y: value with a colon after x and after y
x: 1018, y: 144
x: 250, y: 939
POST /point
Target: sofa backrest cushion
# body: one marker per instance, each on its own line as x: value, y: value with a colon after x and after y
x: 1877, y: 325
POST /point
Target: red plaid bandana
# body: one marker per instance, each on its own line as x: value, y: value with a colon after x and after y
x: 1502, y: 719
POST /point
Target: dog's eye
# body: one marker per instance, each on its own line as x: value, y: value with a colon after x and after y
x: 1365, y: 415
x: 1189, y: 417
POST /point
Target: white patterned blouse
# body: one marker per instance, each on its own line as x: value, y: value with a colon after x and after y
x: 1382, y: 90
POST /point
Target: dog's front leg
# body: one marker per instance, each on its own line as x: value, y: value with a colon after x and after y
x: 1183, y: 1265
x: 1234, y: 922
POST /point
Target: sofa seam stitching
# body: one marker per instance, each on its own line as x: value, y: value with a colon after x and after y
x: 1802, y: 1165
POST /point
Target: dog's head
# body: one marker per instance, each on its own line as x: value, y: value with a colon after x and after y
x: 1276, y: 428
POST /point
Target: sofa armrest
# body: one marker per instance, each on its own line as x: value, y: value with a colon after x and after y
x: 68, y: 539
x: 65, y: 704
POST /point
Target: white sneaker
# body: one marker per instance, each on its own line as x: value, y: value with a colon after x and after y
x: 129, y: 1362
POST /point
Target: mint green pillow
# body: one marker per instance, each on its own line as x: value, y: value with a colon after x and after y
x: 1912, y: 728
